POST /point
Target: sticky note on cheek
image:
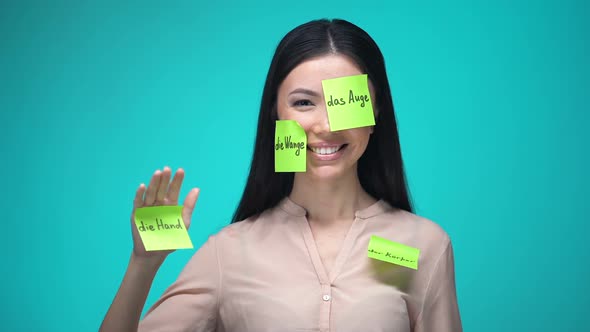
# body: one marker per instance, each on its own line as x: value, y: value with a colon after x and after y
x: 162, y: 228
x: 348, y: 102
x: 290, y: 147
x: 393, y: 252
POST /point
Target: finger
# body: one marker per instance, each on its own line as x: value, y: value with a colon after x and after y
x: 189, y: 205
x: 150, y: 194
x: 138, y: 201
x: 163, y: 187
x: 174, y: 189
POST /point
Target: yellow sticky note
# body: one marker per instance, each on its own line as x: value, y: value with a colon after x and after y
x: 348, y: 102
x: 162, y: 228
x: 290, y: 147
x: 393, y: 252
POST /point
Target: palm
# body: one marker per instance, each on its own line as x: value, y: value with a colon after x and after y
x: 161, y: 191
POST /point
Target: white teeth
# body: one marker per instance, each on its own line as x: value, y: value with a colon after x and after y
x: 326, y: 150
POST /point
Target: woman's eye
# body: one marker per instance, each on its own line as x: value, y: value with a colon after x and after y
x: 303, y: 102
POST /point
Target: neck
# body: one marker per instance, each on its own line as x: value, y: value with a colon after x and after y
x: 330, y: 201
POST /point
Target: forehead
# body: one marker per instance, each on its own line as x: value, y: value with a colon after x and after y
x: 310, y: 73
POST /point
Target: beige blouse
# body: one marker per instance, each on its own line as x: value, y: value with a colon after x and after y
x: 265, y: 274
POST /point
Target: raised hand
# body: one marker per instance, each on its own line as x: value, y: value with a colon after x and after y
x: 161, y: 191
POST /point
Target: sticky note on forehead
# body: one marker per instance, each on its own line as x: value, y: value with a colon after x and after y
x: 393, y: 252
x: 348, y: 102
x: 290, y: 147
x: 162, y: 228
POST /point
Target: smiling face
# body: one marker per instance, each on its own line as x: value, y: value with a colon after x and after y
x: 301, y: 98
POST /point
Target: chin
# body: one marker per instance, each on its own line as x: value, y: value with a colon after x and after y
x: 326, y: 173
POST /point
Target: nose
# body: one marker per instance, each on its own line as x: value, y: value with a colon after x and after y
x: 321, y: 124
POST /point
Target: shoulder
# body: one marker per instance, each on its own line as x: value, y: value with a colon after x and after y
x: 424, y: 227
x: 397, y: 220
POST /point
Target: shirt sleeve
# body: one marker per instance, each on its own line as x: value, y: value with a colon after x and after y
x: 440, y: 311
x: 191, y: 302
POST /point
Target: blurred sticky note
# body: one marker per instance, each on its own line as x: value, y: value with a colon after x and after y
x: 393, y: 252
x: 348, y: 102
x: 290, y: 147
x: 162, y: 228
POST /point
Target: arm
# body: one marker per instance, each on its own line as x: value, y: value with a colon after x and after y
x: 440, y: 311
x: 191, y: 303
x: 125, y: 311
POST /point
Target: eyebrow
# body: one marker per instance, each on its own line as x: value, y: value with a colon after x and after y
x: 304, y: 91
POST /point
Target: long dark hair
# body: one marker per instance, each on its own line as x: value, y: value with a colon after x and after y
x: 380, y: 168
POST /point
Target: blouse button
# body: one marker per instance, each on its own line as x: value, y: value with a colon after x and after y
x: 326, y: 297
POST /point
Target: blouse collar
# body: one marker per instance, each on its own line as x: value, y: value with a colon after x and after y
x: 379, y: 207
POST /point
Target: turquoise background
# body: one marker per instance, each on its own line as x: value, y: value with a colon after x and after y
x: 491, y: 100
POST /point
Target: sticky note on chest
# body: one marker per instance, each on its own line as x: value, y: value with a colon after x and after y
x: 162, y: 228
x: 290, y: 147
x: 348, y: 102
x: 393, y: 252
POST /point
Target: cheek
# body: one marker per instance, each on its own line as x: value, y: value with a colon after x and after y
x: 303, y: 118
x: 361, y: 139
x: 362, y: 135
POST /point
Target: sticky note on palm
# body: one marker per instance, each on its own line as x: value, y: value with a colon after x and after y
x: 162, y: 228
x: 348, y: 102
x: 290, y: 147
x: 393, y: 252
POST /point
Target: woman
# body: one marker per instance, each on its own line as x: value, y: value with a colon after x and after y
x: 295, y: 256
